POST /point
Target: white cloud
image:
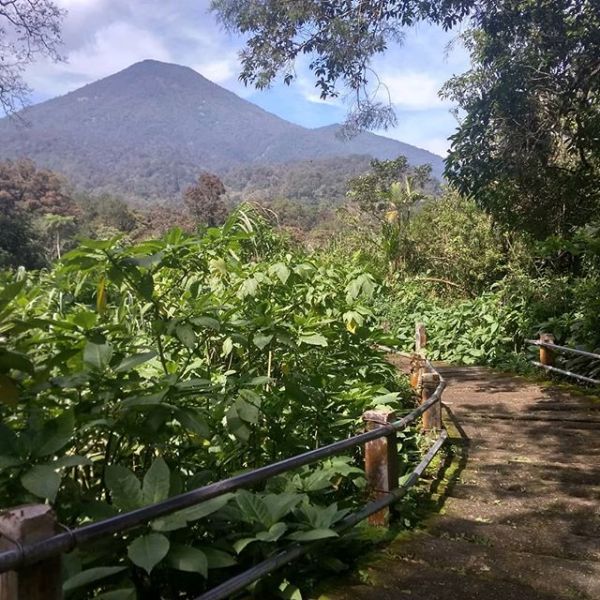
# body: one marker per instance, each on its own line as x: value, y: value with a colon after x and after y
x: 412, y: 90
x: 111, y: 49
x: 219, y: 71
x: 116, y: 47
x: 438, y: 146
x: 312, y: 94
x: 105, y: 36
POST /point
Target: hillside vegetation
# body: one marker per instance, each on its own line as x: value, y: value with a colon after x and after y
x: 146, y: 132
x: 145, y: 352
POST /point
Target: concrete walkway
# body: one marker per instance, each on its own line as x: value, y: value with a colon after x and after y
x: 522, y: 519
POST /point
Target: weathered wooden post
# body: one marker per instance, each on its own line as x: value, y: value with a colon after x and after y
x: 420, y: 337
x: 432, y: 417
x: 41, y: 581
x: 547, y: 354
x: 381, y: 461
x: 416, y: 368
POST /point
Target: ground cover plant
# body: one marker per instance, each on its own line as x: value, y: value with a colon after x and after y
x: 129, y: 373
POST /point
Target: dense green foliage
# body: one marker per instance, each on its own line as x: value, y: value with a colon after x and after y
x: 528, y: 147
x: 482, y: 292
x: 527, y: 143
x: 131, y: 373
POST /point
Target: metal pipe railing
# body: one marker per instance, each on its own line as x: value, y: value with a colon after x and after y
x: 64, y: 542
x: 546, y: 358
x: 566, y: 373
x: 239, y: 582
x: 558, y: 348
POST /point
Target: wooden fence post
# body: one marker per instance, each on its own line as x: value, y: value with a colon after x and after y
x: 420, y: 337
x: 40, y: 581
x: 381, y: 461
x: 432, y: 417
x: 416, y: 368
x: 546, y: 354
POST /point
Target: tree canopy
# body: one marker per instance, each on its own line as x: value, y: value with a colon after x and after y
x: 204, y: 200
x: 528, y: 147
x: 340, y: 38
x: 28, y: 28
x: 527, y: 144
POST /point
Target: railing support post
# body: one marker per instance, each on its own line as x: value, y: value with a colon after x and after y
x: 546, y: 354
x: 381, y: 462
x: 416, y: 369
x: 41, y: 581
x: 420, y: 337
x: 432, y: 417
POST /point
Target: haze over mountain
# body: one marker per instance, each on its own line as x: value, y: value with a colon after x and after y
x: 149, y: 130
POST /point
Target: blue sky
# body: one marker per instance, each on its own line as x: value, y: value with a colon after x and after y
x: 105, y: 36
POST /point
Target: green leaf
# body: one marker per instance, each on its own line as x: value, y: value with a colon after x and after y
x: 186, y: 558
x: 9, y: 392
x: 239, y: 545
x: 134, y: 361
x: 168, y: 523
x: 9, y: 442
x: 248, y: 288
x: 186, y: 335
x: 97, y: 356
x: 124, y: 487
x: 217, y: 559
x: 312, y: 535
x: 144, y: 401
x: 148, y: 550
x: 207, y: 322
x: 10, y: 291
x: 287, y: 591
x: 313, y: 339
x: 227, y: 347
x: 145, y: 286
x: 281, y: 271
x: 191, y: 421
x: 15, y: 360
x: 261, y: 341
x: 253, y: 508
x: 90, y: 576
x: 55, y: 434
x: 247, y: 411
x: 42, y: 481
x: 192, y: 384
x: 280, y: 505
x: 386, y: 399
x: 6, y: 462
x: 157, y: 481
x: 274, y: 533
x: 235, y: 424
x: 204, y: 509
x: 67, y: 462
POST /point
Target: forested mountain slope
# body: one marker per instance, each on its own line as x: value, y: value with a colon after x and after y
x: 149, y: 130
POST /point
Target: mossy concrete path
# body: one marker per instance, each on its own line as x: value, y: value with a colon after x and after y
x: 521, y: 520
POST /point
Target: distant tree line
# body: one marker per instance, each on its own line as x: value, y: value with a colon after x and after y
x: 41, y: 216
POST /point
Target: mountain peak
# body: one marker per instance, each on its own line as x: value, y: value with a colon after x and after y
x: 148, y: 130
x: 153, y: 66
